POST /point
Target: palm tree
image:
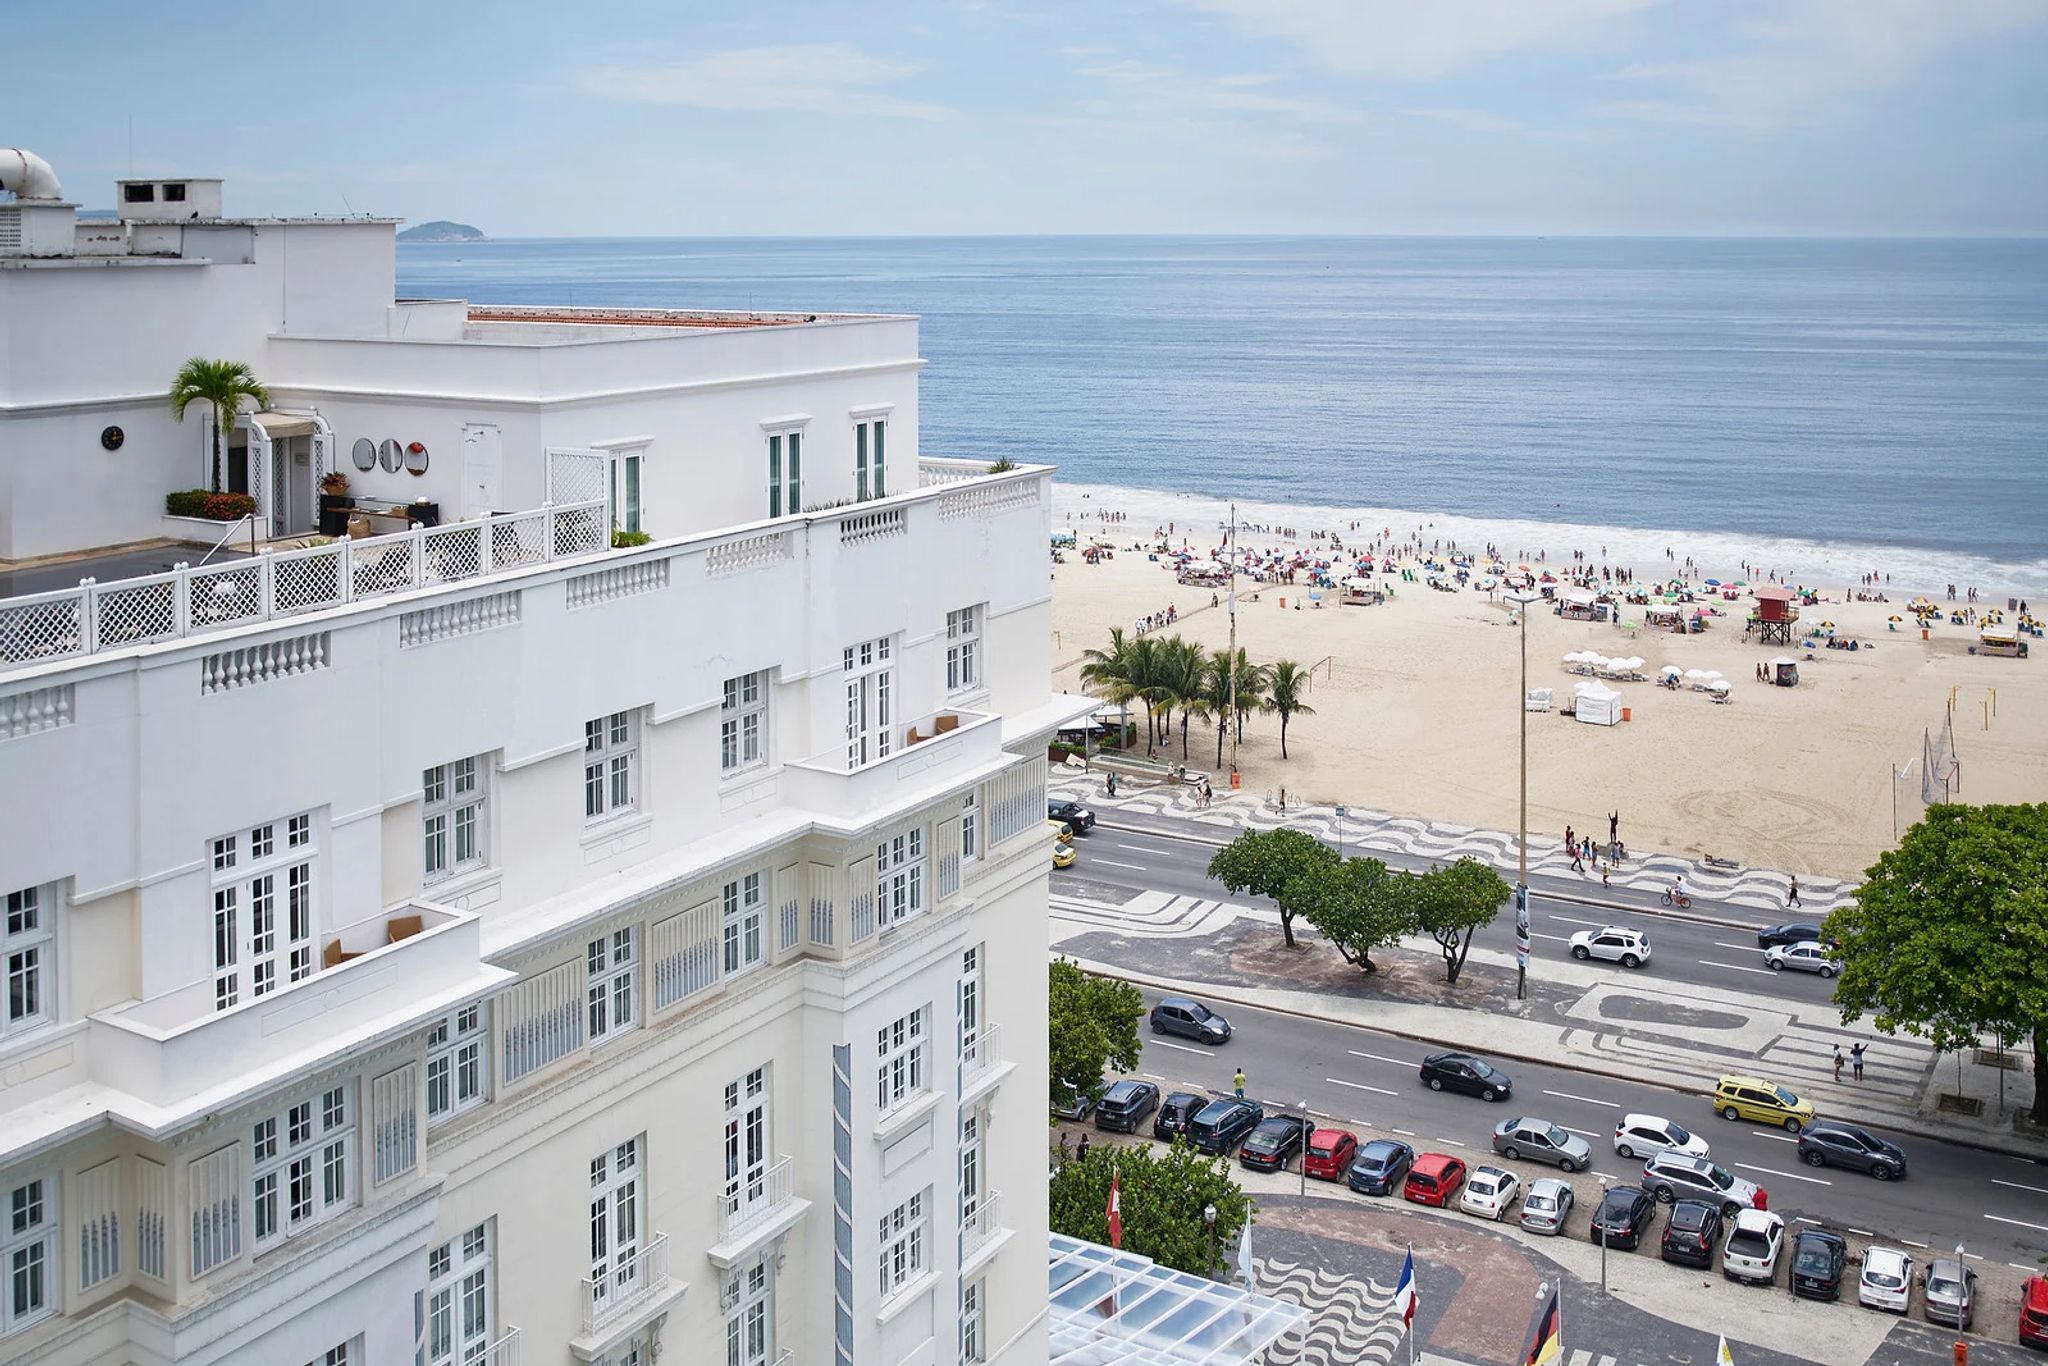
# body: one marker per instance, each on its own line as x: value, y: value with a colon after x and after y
x: 1288, y: 682
x: 221, y: 384
x: 1251, y: 694
x: 1183, y: 671
x: 1108, y: 671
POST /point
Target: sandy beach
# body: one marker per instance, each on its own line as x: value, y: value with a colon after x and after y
x: 1417, y: 713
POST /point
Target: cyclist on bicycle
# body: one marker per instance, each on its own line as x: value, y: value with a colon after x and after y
x: 1678, y: 889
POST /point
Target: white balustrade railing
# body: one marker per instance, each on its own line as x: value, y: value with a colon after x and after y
x: 633, y: 1282
x: 981, y: 1052
x: 933, y: 471
x: 502, y: 1352
x: 981, y: 1221
x: 746, y: 1202
x: 186, y: 602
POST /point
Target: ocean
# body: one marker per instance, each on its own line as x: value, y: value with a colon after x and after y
x: 1824, y: 408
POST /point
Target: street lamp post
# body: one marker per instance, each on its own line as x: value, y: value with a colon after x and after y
x: 1522, y: 598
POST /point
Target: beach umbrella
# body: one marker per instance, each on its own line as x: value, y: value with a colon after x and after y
x: 1695, y: 676
x: 1718, y: 686
x: 1713, y: 583
x: 1827, y: 626
x: 1894, y: 618
x: 1670, y: 671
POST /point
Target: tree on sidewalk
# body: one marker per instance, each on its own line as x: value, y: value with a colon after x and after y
x: 1161, y: 1194
x: 1287, y: 684
x: 1357, y: 904
x: 1947, y: 938
x: 1450, y: 903
x: 1093, y: 1028
x: 1263, y: 862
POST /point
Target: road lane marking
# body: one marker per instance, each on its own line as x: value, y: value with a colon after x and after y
x: 1134, y: 867
x: 1974, y: 1256
x: 1398, y: 1062
x: 1405, y: 1133
x: 1790, y: 1176
x: 1910, y: 1243
x: 1450, y: 1142
x: 1319, y: 1114
x: 2029, y: 1269
x: 1582, y: 1133
x: 1153, y: 1076
x: 1782, y: 1138
x: 1140, y: 848
x: 1745, y: 948
x: 1862, y: 1233
x: 1804, y: 1220
x: 1574, y: 920
x: 1566, y: 1095
x: 1360, y: 1086
x: 1554, y: 938
x: 1161, y: 1043
x: 2020, y: 1186
x: 1710, y: 963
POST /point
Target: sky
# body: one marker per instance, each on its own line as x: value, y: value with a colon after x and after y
x: 805, y: 117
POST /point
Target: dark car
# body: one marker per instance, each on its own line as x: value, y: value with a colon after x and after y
x: 1270, y: 1146
x: 1690, y: 1236
x: 1125, y: 1104
x: 1465, y: 1073
x: 1175, y: 1113
x: 1624, y: 1215
x: 1079, y: 818
x: 1830, y: 1143
x: 1221, y: 1125
x: 1817, y: 1261
x: 1793, y: 932
x: 1190, y: 1019
x: 1380, y: 1167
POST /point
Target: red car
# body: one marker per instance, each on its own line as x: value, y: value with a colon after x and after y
x: 2034, y: 1313
x: 1329, y: 1153
x: 1433, y: 1180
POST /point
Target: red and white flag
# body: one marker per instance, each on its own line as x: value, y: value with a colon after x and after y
x: 1116, y: 1211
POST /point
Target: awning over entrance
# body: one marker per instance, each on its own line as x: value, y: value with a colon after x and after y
x: 277, y: 425
x: 1112, y: 1308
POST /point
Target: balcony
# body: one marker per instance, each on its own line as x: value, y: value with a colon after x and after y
x: 758, y: 1214
x: 940, y: 748
x: 503, y: 1352
x: 981, y: 1231
x: 633, y: 1295
x: 982, y: 1068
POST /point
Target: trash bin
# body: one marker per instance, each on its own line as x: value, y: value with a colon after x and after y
x: 1628, y: 713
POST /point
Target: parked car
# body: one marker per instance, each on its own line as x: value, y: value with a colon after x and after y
x: 1273, y: 1141
x: 1818, y: 1259
x: 1751, y: 1253
x: 1806, y: 957
x: 1831, y: 1143
x: 1061, y: 831
x: 1175, y: 1113
x: 1795, y: 932
x: 1190, y: 1019
x: 1079, y: 1105
x: 2034, y: 1312
x: 1380, y: 1166
x: 1541, y: 1141
x: 1465, y: 1073
x: 1624, y: 1215
x: 1062, y: 855
x: 1630, y: 948
x: 1547, y: 1205
x: 1681, y: 1176
x: 1221, y: 1125
x: 1329, y: 1154
x: 1079, y: 818
x: 1490, y: 1192
x: 1766, y: 1102
x: 1433, y: 1180
x: 1648, y: 1135
x: 1690, y: 1236
x: 1886, y: 1281
x: 1125, y: 1104
x: 1950, y: 1293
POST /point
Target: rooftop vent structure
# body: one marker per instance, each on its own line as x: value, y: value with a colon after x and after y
x: 28, y: 175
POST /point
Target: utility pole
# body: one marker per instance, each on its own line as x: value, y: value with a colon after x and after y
x: 1230, y: 553
x: 1522, y: 598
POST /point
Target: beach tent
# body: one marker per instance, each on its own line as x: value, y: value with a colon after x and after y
x: 1597, y: 705
x: 1538, y: 699
x: 1785, y: 671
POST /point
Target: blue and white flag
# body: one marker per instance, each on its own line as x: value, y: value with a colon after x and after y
x: 1404, y: 1292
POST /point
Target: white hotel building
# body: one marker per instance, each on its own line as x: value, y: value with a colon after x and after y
x: 474, y: 942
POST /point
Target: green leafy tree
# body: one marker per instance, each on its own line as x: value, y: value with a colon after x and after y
x: 1093, y: 1029
x: 1947, y: 938
x: 1183, y: 683
x: 221, y: 385
x: 1358, y: 905
x: 1287, y: 686
x: 1450, y: 903
x: 1161, y: 1194
x: 1263, y: 862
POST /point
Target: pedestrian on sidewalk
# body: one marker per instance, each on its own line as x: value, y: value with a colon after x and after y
x: 1604, y: 883
x: 1578, y: 864
x: 1838, y: 1062
x: 1081, y: 1152
x: 1238, y: 1081
x: 1283, y: 800
x: 1856, y: 1061
x: 1109, y: 784
x: 1570, y: 839
x: 1613, y: 826
x: 1791, y: 891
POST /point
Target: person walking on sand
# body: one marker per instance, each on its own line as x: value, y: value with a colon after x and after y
x: 1238, y: 1080
x: 1838, y: 1062
x: 1856, y: 1062
x: 1791, y: 891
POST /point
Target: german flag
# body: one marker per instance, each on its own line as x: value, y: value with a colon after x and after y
x: 1548, y: 1344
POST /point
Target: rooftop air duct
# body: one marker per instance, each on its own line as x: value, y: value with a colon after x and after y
x: 28, y: 175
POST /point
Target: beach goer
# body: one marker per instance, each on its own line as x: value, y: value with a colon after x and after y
x: 1856, y: 1062
x: 1109, y: 785
x: 1838, y: 1062
x: 1283, y: 799
x: 1604, y: 883
x: 1613, y: 823
x: 1238, y: 1080
x: 1791, y: 892
x: 1578, y: 865
x: 1570, y: 838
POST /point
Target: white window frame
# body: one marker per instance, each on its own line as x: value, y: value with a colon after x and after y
x: 785, y: 469
x: 29, y: 1233
x: 612, y: 992
x: 459, y: 1306
x: 971, y: 1160
x: 970, y: 999
x: 454, y: 818
x: 903, y: 1059
x: 261, y: 876
x: 870, y: 449
x: 963, y: 649
x: 970, y: 825
x: 629, y: 489
x: 611, y: 766
x: 903, y: 1237
x: 617, y: 1215
x: 458, y: 1062
x: 302, y: 1165
x: 747, y: 1141
x: 974, y: 1321
x: 743, y: 723
x: 28, y: 953
x: 899, y: 877
x: 870, y: 674
x: 749, y: 1304
x: 743, y: 921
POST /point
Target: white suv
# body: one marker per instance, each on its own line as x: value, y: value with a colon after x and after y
x: 1648, y: 1135
x: 1630, y: 948
x: 1751, y: 1252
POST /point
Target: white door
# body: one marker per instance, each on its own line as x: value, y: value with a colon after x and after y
x: 482, y: 470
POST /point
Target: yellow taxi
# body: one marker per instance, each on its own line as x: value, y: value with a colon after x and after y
x: 1061, y: 832
x: 1764, y: 1102
x: 1062, y: 855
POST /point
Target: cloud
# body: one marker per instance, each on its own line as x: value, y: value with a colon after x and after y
x: 1138, y: 90
x: 1419, y: 38
x: 1471, y: 120
x: 820, y: 78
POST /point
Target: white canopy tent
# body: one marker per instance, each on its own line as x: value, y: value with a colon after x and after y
x: 1597, y: 704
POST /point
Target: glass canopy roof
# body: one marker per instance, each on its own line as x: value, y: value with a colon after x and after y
x: 1112, y: 1308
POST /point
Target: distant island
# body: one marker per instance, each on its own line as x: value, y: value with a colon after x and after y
x: 441, y: 230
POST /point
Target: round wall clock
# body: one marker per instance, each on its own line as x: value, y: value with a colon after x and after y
x: 112, y: 437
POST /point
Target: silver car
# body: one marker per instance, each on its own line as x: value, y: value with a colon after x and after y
x: 1951, y: 1292
x: 1806, y: 957
x: 1546, y: 1206
x: 1541, y: 1141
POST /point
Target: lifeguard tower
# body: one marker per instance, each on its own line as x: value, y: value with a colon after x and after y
x: 1774, y: 616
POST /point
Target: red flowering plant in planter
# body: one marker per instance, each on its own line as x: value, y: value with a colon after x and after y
x: 214, y: 507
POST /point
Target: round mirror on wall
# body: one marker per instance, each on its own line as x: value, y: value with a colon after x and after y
x: 365, y: 452
x: 391, y: 457
x: 416, y: 458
